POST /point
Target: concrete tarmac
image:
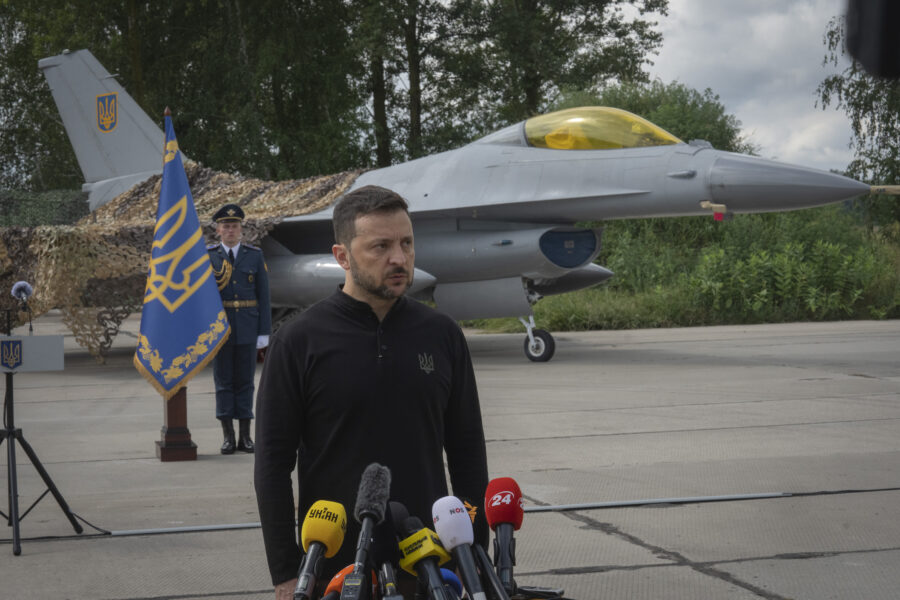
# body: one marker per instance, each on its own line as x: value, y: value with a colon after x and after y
x: 807, y: 415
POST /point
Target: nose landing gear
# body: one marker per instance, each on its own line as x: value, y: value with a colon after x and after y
x: 539, y: 344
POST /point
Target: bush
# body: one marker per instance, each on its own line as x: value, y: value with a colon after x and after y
x: 818, y: 264
x: 798, y: 282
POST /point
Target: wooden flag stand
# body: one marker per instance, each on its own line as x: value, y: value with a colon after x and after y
x: 176, y: 441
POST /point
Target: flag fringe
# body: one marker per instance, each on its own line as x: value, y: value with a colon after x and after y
x: 167, y: 394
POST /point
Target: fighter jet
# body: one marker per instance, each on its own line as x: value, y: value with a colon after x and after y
x: 495, y: 220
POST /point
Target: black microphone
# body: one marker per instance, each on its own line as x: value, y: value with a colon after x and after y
x: 498, y: 592
x: 398, y: 513
x: 454, y: 526
x: 421, y: 553
x: 371, y: 501
x: 493, y: 586
x: 386, y: 554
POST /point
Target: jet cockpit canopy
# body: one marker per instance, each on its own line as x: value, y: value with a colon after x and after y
x: 595, y: 128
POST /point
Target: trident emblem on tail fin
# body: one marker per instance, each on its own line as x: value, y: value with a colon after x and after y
x: 107, y: 111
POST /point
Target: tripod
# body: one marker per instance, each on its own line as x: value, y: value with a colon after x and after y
x: 12, y: 434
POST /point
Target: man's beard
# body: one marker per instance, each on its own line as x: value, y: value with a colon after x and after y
x: 367, y: 283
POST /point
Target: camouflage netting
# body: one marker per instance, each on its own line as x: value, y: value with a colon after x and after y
x: 95, y: 271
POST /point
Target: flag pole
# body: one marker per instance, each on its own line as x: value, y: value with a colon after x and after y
x: 175, y: 443
x: 183, y: 322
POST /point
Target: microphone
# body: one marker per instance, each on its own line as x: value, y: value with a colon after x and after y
x: 387, y: 582
x: 337, y: 582
x: 371, y: 501
x: 452, y: 582
x: 421, y: 554
x: 22, y: 291
x: 493, y: 587
x: 336, y: 585
x: 386, y: 553
x: 503, y: 511
x: 454, y: 526
x: 496, y: 589
x: 398, y: 514
x: 321, y: 536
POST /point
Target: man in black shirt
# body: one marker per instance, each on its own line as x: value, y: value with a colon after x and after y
x: 367, y: 375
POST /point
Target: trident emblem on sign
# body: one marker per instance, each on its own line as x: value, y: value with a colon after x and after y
x: 11, y: 353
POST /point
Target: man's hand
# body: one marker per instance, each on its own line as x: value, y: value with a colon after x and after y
x: 285, y: 591
x: 262, y: 341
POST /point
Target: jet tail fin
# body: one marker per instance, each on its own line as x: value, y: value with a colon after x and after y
x: 117, y: 145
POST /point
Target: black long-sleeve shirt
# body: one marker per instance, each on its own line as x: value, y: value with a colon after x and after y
x: 341, y: 390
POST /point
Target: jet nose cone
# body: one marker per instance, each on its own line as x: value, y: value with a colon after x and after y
x: 751, y: 184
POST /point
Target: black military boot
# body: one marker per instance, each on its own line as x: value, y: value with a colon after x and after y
x: 228, y: 430
x: 245, y: 444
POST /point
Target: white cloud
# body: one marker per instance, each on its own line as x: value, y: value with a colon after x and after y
x: 764, y: 60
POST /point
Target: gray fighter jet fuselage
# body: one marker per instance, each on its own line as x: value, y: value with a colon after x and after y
x: 496, y: 220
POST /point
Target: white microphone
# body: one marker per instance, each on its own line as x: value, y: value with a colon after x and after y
x: 454, y: 526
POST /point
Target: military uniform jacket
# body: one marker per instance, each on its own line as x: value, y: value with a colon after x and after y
x: 245, y: 292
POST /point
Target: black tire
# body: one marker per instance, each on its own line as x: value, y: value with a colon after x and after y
x: 544, y: 346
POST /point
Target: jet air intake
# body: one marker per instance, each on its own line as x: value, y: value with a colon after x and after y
x: 544, y: 253
x: 300, y: 280
x: 569, y: 249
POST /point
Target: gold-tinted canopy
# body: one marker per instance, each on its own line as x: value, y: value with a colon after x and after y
x: 595, y: 128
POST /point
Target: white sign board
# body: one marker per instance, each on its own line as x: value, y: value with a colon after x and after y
x: 20, y: 354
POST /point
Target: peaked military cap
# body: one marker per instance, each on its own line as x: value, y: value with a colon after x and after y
x: 229, y: 212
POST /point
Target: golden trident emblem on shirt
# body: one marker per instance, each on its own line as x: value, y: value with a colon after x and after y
x: 166, y: 272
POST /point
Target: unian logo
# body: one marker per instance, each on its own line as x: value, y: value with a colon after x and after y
x: 11, y: 353
x: 107, y: 111
x: 426, y: 363
x: 323, y: 514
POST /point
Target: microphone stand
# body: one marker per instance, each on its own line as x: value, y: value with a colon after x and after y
x: 13, y: 434
x: 25, y: 308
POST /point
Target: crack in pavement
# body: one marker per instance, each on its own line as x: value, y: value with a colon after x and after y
x: 676, y: 558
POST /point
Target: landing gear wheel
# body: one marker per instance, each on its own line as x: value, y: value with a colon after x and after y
x: 543, y: 348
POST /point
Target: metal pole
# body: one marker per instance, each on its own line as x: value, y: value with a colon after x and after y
x: 687, y: 500
x: 11, y: 465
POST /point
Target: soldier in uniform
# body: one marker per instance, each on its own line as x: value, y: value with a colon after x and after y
x: 242, y: 277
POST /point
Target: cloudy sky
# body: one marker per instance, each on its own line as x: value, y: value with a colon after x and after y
x: 764, y: 60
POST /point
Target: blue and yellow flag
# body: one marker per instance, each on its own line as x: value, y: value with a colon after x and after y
x: 183, y: 323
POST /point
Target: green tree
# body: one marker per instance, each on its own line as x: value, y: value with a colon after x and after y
x: 35, y: 153
x: 687, y: 114
x: 268, y: 89
x: 681, y: 110
x: 873, y: 106
x: 286, y: 90
x: 533, y: 49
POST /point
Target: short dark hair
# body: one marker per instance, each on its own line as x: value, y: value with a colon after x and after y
x: 363, y: 201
